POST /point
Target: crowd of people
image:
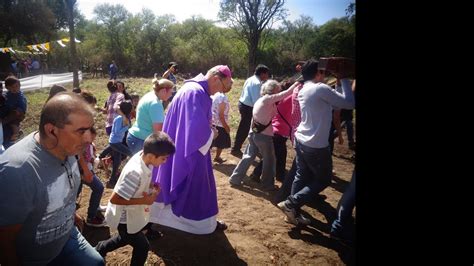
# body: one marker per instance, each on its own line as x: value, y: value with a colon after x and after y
x: 167, y: 176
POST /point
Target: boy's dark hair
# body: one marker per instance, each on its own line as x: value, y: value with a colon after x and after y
x: 126, y: 107
x: 309, y: 69
x: 134, y: 95
x: 111, y: 86
x: 261, y: 68
x: 159, y: 144
x: 11, y: 80
x: 89, y: 97
x: 55, y: 89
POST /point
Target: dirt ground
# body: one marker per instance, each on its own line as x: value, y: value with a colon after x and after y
x: 257, y: 233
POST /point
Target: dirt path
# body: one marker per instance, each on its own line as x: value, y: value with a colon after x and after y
x: 257, y: 233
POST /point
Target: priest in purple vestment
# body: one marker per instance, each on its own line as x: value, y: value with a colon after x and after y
x: 188, y: 197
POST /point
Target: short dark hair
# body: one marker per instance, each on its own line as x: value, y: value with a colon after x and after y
x: 261, y: 68
x: 55, y: 89
x: 159, y: 144
x: 89, y: 97
x: 57, y: 110
x: 126, y: 107
x: 111, y: 86
x: 11, y: 80
x: 309, y: 69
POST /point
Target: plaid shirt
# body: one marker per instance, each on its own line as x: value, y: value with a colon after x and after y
x: 114, y: 101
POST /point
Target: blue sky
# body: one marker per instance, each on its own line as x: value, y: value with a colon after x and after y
x: 320, y: 10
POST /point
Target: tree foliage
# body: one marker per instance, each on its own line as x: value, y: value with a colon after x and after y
x: 249, y: 18
x: 144, y: 43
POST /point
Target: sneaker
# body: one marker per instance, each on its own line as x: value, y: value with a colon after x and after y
x: 303, y: 220
x: 289, y: 212
x: 219, y: 160
x: 300, y: 220
x: 236, y: 153
x: 96, y: 222
x: 235, y: 184
x: 102, y: 208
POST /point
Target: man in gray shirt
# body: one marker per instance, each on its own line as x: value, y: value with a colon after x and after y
x: 313, y: 155
x: 40, y: 178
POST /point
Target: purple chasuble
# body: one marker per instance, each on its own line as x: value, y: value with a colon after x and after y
x: 187, y: 179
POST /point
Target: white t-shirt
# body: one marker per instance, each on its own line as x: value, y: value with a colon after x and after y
x: 217, y: 99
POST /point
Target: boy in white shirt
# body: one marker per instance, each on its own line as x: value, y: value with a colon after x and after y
x: 128, y: 209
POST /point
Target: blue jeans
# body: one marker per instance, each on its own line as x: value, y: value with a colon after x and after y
x: 77, y: 251
x: 344, y: 211
x: 264, y: 144
x: 97, y: 189
x: 117, y: 150
x: 134, y: 144
x: 313, y: 174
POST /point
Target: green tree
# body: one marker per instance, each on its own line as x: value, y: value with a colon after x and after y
x: 26, y: 22
x: 112, y: 19
x: 249, y: 18
x: 334, y: 38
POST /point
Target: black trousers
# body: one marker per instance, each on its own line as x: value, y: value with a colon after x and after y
x: 244, y: 125
x: 138, y: 241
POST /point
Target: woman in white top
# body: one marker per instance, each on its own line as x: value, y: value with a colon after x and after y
x: 261, y: 135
